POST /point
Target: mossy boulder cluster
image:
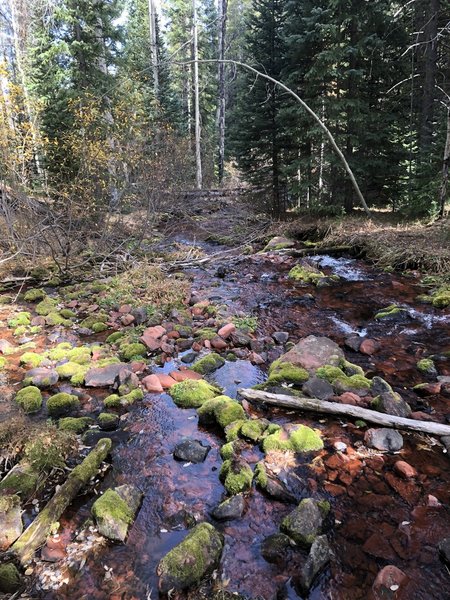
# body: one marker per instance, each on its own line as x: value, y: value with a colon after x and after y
x: 221, y: 410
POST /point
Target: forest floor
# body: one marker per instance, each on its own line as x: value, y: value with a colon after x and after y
x: 118, y: 347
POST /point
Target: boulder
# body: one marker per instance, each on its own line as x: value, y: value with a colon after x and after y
x: 388, y: 440
x: 153, y: 384
x: 318, y: 388
x: 391, y: 403
x: 276, y: 548
x: 387, y: 582
x: 115, y: 510
x: 227, y: 330
x: 192, y: 394
x: 191, y: 450
x: 41, y: 377
x: 105, y: 376
x: 313, y: 352
x: 318, y: 558
x: 306, y: 522
x: 196, y: 556
x: 10, y: 521
x: 231, y: 508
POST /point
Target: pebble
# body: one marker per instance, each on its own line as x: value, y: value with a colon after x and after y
x: 405, y: 470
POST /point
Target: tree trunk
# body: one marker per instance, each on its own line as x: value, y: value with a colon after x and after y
x: 198, y: 152
x: 333, y: 408
x: 36, y: 534
x: 221, y: 104
x: 445, y: 166
x: 153, y: 46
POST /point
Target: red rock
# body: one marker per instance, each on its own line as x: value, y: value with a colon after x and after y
x: 378, y: 545
x: 125, y: 308
x: 173, y: 335
x: 151, y: 342
x: 350, y: 398
x: 227, y: 330
x: 127, y: 320
x: 433, y: 501
x: 406, y: 489
x: 178, y: 376
x: 207, y: 344
x: 190, y: 374
x: 256, y: 359
x: 405, y: 470
x: 166, y: 380
x: 155, y: 332
x: 218, y: 343
x: 429, y: 389
x: 152, y: 384
x: 389, y: 577
x: 312, y: 484
x: 196, y: 347
x: 334, y: 489
x: 167, y: 348
x: 421, y: 416
x: 369, y: 346
x: 92, y: 308
x: 138, y: 366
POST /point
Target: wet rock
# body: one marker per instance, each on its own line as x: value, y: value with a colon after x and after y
x: 10, y: 579
x: 388, y: 440
x: 153, y: 384
x: 427, y: 367
x: 182, y: 519
x: 393, y: 314
x: 221, y: 410
x: 236, y: 475
x: 380, y: 386
x: 444, y: 550
x: 105, y: 376
x: 41, y: 377
x: 353, y: 342
x: 10, y: 521
x: 313, y: 352
x: 196, y: 556
x: 318, y: 388
x: 318, y: 558
x: 221, y: 272
x: 281, y: 337
x: 189, y: 357
x: 297, y: 438
x: 276, y: 548
x: 391, y: 403
x: 191, y: 451
x: 115, y: 510
x: 239, y: 338
x: 369, y: 346
x: 388, y: 582
x: 405, y: 470
x: 256, y: 359
x: 192, y: 394
x: 306, y: 522
x: 108, y: 421
x: 208, y: 364
x: 273, y: 486
x: 229, y: 509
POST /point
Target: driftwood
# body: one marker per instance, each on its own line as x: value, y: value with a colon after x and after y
x: 331, y: 250
x: 36, y: 534
x: 332, y: 408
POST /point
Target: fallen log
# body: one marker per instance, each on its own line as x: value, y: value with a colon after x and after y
x: 36, y: 534
x: 331, y: 250
x: 333, y: 408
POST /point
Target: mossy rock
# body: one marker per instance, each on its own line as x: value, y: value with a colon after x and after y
x: 427, y: 366
x: 254, y: 429
x: 305, y: 274
x: 90, y: 321
x: 22, y: 319
x: 82, y: 355
x: 236, y: 476
x: 10, y: 579
x: 116, y: 401
x: 441, y: 298
x: 306, y: 521
x: 391, y: 311
x: 260, y: 475
x: 285, y: 372
x: 298, y: 439
x: 99, y: 327
x: 112, y: 515
x: 62, y: 404
x: 222, y: 410
x: 191, y: 560
x: 29, y: 399
x: 2, y: 362
x: 66, y: 313
x: 55, y: 318
x: 233, y: 429
x: 229, y: 450
x: 21, y: 480
x: 133, y: 351
x: 46, y: 306
x: 114, y: 337
x: 60, y: 352
x: 34, y: 294
x: 75, y: 424
x: 337, y: 378
x: 107, y: 421
x: 32, y: 359
x: 208, y: 364
x: 206, y: 333
x: 192, y: 394
x: 69, y: 369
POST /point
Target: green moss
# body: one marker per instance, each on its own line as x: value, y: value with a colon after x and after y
x: 207, y: 333
x: 208, y: 364
x: 389, y: 311
x: 32, y: 359
x: 54, y: 318
x: 192, y: 394
x: 426, y: 365
x: 34, y: 294
x: 90, y: 321
x: 228, y: 450
x: 285, y: 372
x: 21, y: 330
x: 69, y: 369
x: 112, y: 401
x: 2, y: 362
x: 39, y: 273
x: 77, y: 378
x: 114, y: 337
x: 10, y: 580
x: 232, y: 431
x: 254, y: 429
x: 67, y: 313
x: 360, y: 424
x: 80, y: 355
x: 133, y: 351
x: 302, y: 439
x: 99, y: 327
x: 116, y: 401
x: 60, y: 352
x: 49, y: 450
x: 21, y: 480
x: 109, y: 360
x: 247, y: 324
x: 305, y: 275
x: 335, y: 375
x: 237, y: 476
x: 112, y: 506
x: 29, y: 399
x: 62, y: 404
x: 107, y: 421
x: 222, y: 410
x: 75, y: 424
x: 350, y: 368
x: 441, y: 299
x: 261, y: 475
x: 22, y: 319
x: 45, y: 307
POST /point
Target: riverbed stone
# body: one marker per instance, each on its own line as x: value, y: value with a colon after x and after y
x: 389, y: 577
x: 192, y: 394
x: 191, y: 451
x: 221, y: 410
x: 318, y: 558
x: 196, y: 556
x: 11, y: 525
x: 297, y: 438
x: 318, y: 388
x: 62, y: 404
x: 313, y: 352
x: 236, y: 475
x: 231, y: 508
x: 387, y: 440
x: 41, y: 377
x: 275, y: 548
x: 391, y: 403
x: 306, y: 522
x: 105, y: 376
x: 208, y: 364
x: 115, y: 510
x: 405, y: 470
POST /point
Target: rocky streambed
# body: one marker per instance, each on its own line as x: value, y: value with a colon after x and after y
x: 204, y: 494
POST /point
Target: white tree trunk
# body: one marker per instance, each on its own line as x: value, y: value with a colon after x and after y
x: 221, y: 104
x: 198, y: 153
x: 153, y: 46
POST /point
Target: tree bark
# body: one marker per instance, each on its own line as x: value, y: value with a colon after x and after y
x: 36, y: 534
x: 221, y: 104
x: 332, y: 408
x: 445, y: 166
x: 198, y: 151
x: 153, y: 46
